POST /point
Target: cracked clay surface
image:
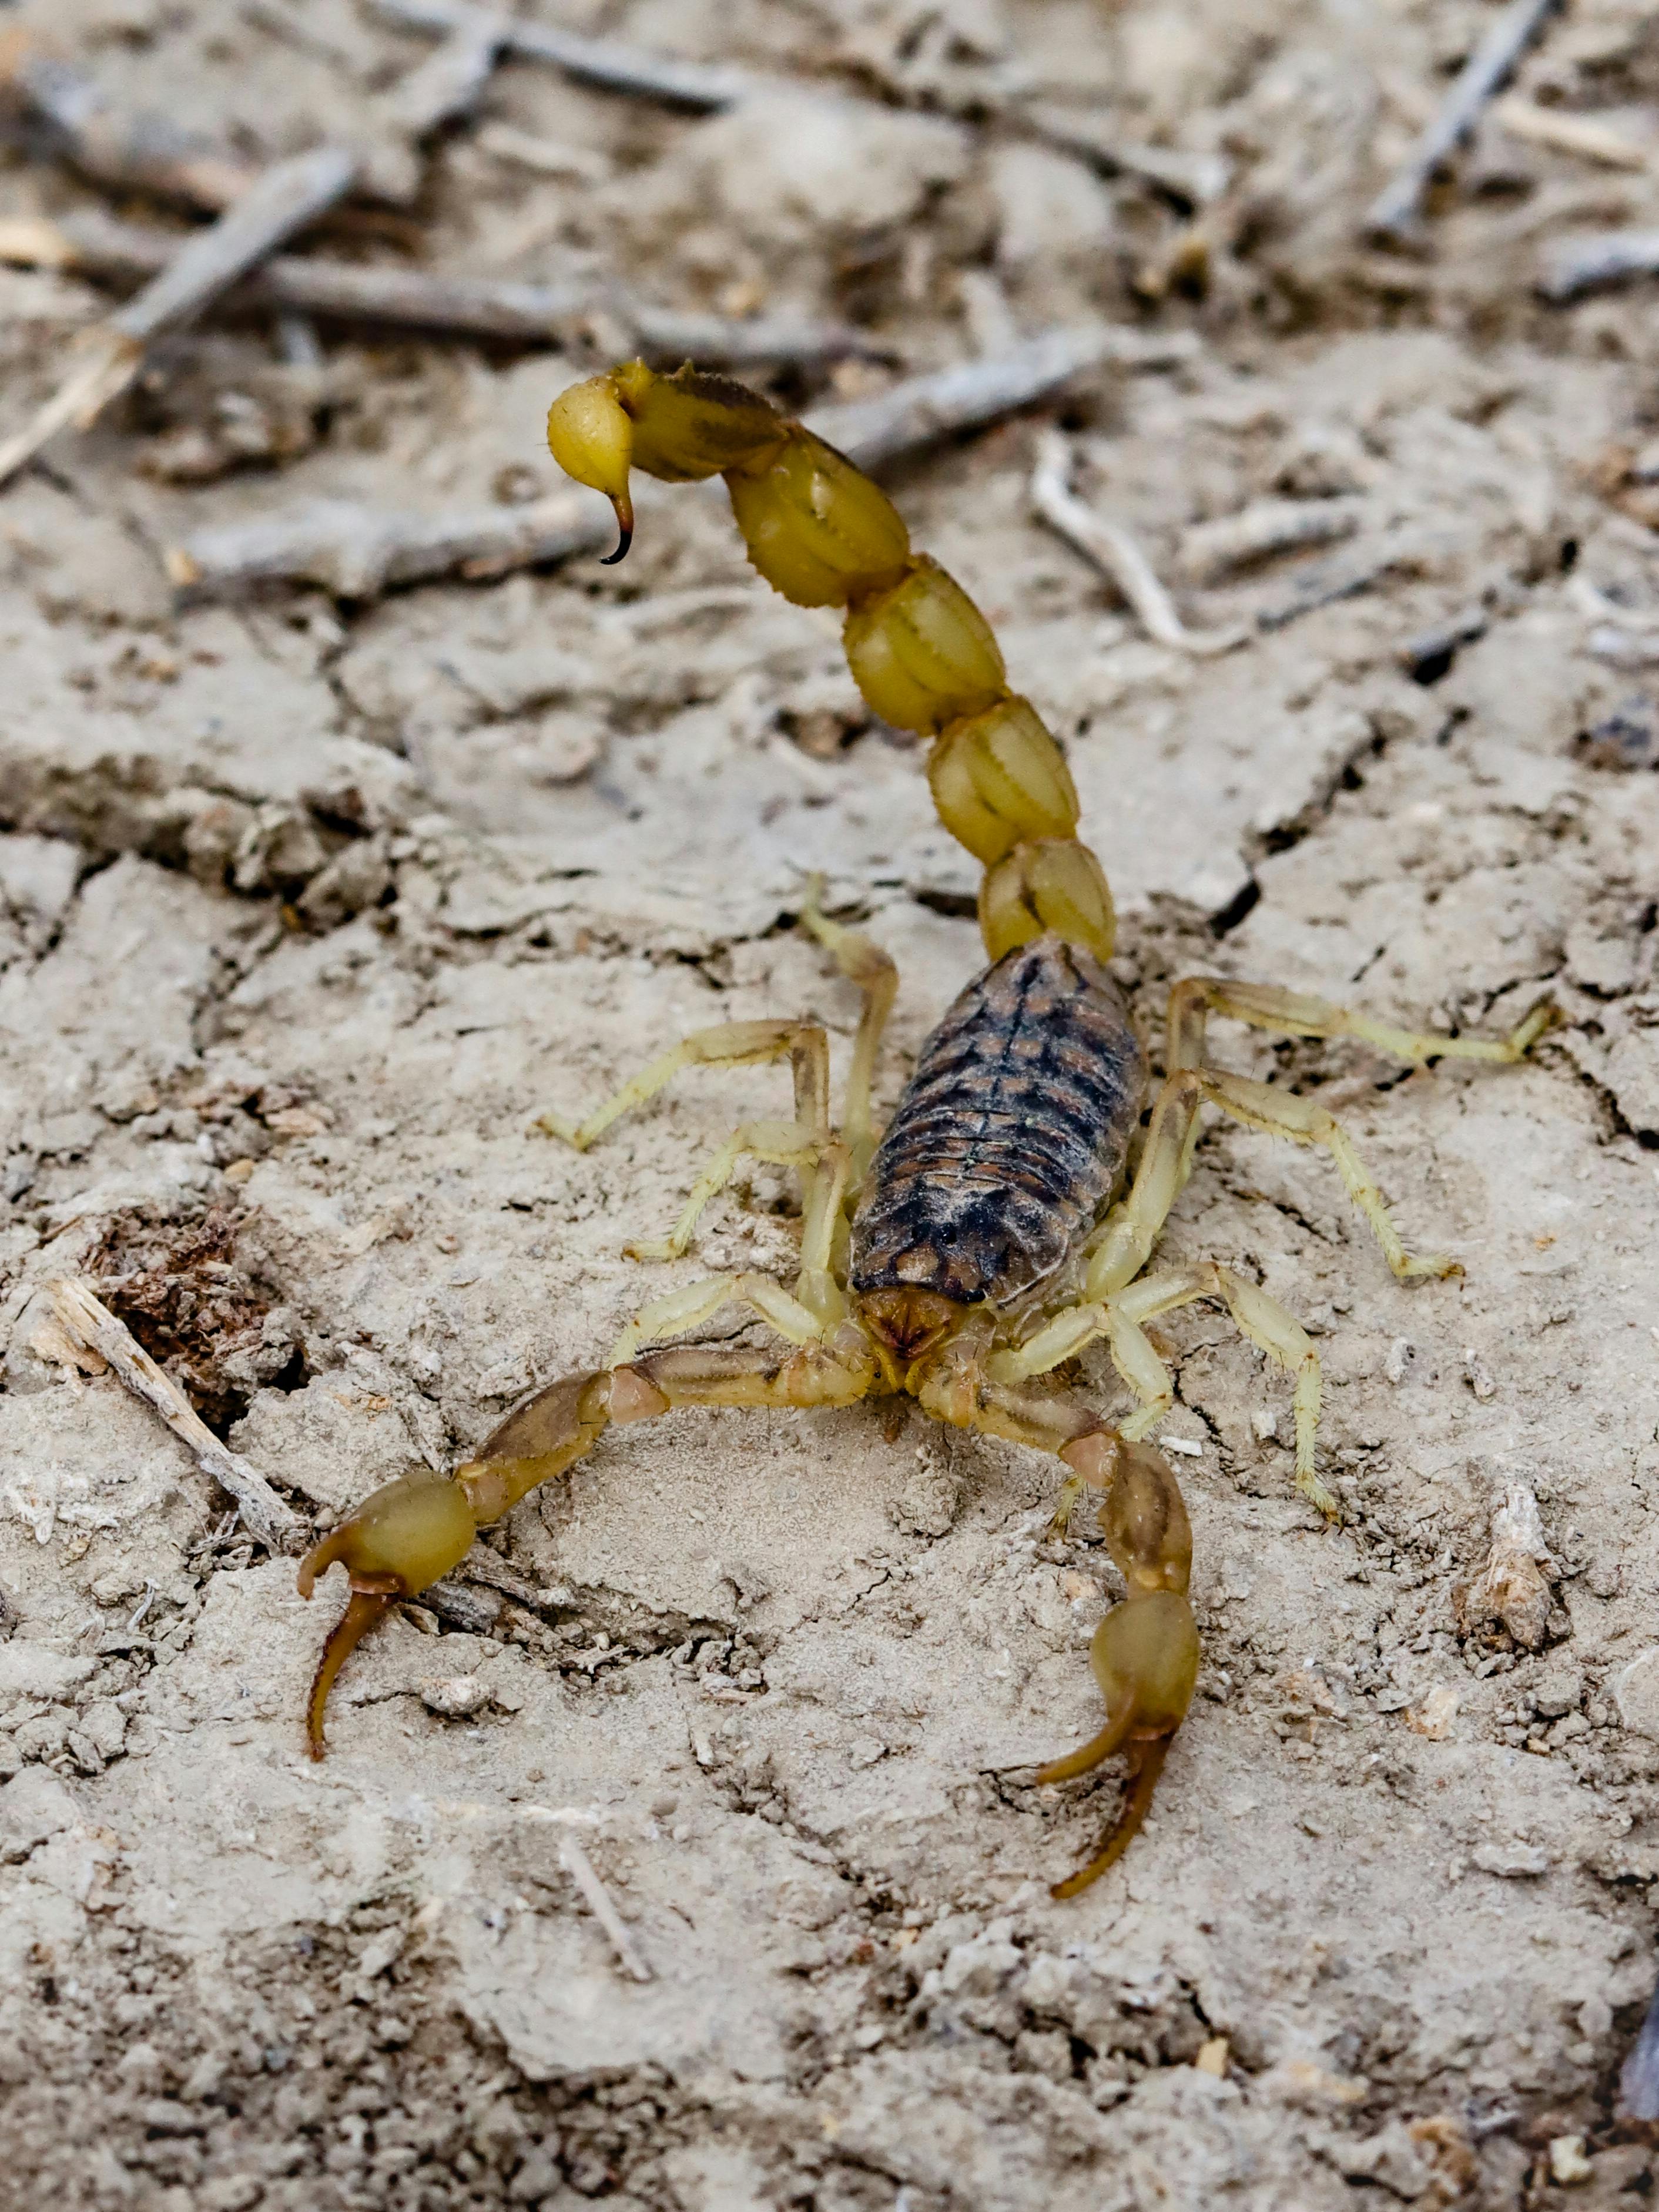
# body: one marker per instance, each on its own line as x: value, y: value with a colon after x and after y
x: 307, y: 910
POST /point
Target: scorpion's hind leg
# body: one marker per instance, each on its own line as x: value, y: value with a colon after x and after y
x: 412, y: 1531
x: 865, y: 963
x: 1293, y: 1013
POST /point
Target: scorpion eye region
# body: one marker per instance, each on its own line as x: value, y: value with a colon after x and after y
x: 921, y: 652
x: 998, y: 778
x: 815, y: 526
x: 1049, y: 883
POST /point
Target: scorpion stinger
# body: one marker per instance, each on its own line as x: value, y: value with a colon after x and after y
x: 929, y: 1261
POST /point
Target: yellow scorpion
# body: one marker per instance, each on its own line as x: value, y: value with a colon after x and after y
x: 994, y: 1231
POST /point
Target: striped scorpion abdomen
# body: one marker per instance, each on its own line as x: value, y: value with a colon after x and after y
x: 1011, y: 1135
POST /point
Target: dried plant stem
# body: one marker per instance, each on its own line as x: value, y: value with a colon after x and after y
x: 581, y: 1869
x: 602, y: 62
x: 282, y: 200
x: 451, y: 307
x: 88, y: 1321
x: 1596, y: 260
x: 1114, y: 552
x: 1392, y: 215
x: 358, y: 552
x: 139, y: 152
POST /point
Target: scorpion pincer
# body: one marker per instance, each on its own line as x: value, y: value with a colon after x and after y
x: 995, y: 1230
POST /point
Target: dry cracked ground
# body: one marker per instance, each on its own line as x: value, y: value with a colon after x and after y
x: 308, y: 908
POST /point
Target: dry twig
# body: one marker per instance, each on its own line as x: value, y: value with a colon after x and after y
x: 924, y: 409
x: 1563, y: 133
x: 1392, y: 217
x: 452, y: 306
x: 89, y: 1322
x: 1596, y: 260
x: 580, y: 1868
x: 72, y: 121
x: 283, y: 200
x: 1115, y: 553
x: 602, y: 62
x: 1210, y: 550
x: 358, y: 552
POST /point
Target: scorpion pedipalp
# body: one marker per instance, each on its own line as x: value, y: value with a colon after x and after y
x: 1145, y: 1652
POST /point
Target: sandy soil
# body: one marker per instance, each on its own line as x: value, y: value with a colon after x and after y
x: 306, y: 908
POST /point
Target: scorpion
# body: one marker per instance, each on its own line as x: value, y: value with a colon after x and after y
x: 968, y: 1257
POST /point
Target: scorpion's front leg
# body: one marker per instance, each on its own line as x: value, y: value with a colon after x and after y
x: 414, y: 1530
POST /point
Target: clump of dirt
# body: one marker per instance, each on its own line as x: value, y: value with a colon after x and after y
x: 211, y: 1322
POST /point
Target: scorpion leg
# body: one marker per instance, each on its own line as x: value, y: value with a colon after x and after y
x: 864, y: 962
x: 728, y: 1044
x: 1131, y: 1229
x: 1265, y: 1006
x: 1119, y: 1319
x: 412, y: 1531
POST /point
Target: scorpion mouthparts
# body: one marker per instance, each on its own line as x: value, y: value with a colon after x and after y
x: 909, y: 1322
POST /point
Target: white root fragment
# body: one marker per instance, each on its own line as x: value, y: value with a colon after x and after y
x: 1392, y: 217
x: 277, y: 203
x: 1210, y: 550
x: 86, y: 1321
x: 1513, y: 1586
x: 1114, y: 552
x: 580, y: 1868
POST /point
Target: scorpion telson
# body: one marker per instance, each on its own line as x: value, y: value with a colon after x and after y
x: 994, y: 1233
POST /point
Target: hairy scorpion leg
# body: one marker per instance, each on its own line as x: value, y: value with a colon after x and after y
x: 413, y: 1531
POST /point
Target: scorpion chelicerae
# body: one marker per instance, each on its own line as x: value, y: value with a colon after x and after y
x: 993, y: 1232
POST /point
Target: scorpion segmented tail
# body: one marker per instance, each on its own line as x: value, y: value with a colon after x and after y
x: 921, y: 652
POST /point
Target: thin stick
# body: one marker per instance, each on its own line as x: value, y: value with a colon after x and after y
x: 1563, y: 132
x: 282, y: 200
x: 449, y: 82
x: 1596, y: 260
x: 603, y: 61
x: 358, y: 552
x: 139, y: 152
x: 90, y: 1322
x: 454, y: 307
x: 1115, y: 553
x: 1210, y: 549
x: 577, y: 1864
x: 1392, y: 215
x: 924, y: 409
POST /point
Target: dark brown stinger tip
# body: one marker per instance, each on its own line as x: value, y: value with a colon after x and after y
x: 624, y: 523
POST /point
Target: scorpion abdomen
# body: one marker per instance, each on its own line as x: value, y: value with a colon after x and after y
x: 1011, y: 1135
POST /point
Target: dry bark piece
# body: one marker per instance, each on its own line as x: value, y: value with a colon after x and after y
x: 1513, y: 1586
x: 1393, y: 216
x: 280, y: 202
x: 454, y: 307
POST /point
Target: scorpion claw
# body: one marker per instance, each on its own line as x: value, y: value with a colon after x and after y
x: 363, y: 1608
x: 403, y: 1537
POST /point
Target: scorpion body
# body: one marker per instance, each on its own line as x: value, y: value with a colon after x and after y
x: 992, y: 1236
x: 1010, y: 1136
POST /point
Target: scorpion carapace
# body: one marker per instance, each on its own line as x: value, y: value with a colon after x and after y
x: 995, y: 1233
